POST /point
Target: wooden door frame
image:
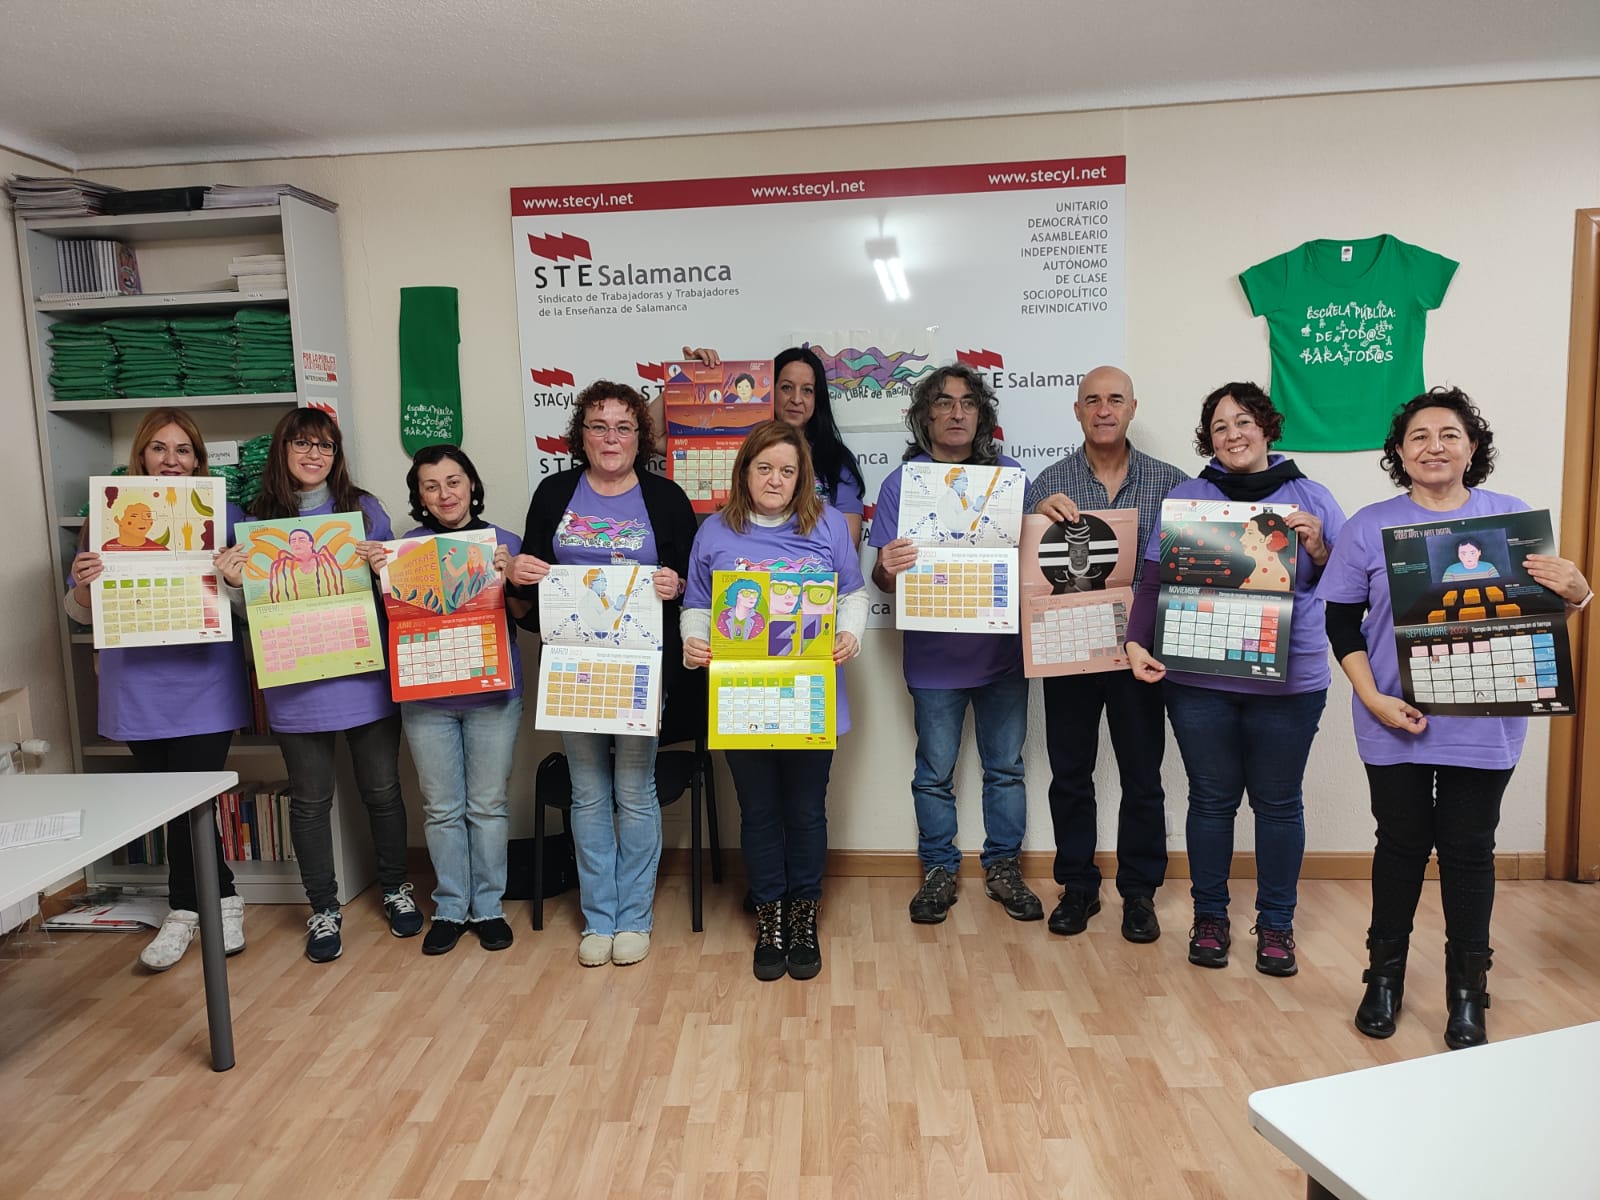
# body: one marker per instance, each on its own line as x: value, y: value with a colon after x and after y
x: 1572, y: 828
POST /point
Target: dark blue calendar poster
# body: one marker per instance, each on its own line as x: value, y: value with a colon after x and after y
x: 1474, y: 633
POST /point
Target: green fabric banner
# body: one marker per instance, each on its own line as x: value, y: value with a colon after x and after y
x: 430, y: 367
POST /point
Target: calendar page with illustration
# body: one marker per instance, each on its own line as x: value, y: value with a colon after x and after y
x: 1077, y: 590
x: 966, y: 522
x: 156, y: 537
x: 1475, y: 634
x: 447, y: 616
x: 308, y: 595
x: 773, y: 681
x: 600, y: 664
x: 708, y: 411
x: 1227, y: 588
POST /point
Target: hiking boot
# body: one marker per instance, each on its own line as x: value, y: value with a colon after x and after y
x: 805, y: 954
x: 1002, y: 881
x: 628, y: 947
x: 1275, y: 951
x: 1209, y: 941
x: 932, y: 902
x: 770, y: 961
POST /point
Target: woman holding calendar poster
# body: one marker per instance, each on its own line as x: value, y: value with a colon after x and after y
x: 175, y: 706
x: 800, y: 399
x: 1436, y: 781
x: 1239, y: 734
x: 774, y: 516
x: 609, y: 509
x: 307, y: 476
x: 462, y: 745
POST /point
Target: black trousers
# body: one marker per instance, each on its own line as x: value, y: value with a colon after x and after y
x: 1136, y: 713
x: 196, y: 752
x: 1420, y: 807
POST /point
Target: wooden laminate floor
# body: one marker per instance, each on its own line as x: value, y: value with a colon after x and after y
x: 978, y: 1058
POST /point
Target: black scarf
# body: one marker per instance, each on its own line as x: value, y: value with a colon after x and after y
x: 1257, y: 485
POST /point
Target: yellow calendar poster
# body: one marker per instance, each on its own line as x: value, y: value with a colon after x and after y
x: 773, y: 681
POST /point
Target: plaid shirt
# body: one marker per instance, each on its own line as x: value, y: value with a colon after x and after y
x: 1147, y: 483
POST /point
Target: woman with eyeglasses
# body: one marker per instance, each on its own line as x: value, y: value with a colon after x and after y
x: 176, y: 707
x: 306, y: 476
x: 607, y: 509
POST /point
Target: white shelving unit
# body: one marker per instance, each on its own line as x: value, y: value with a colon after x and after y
x: 183, y: 263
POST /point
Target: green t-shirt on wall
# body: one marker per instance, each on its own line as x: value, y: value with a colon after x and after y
x: 1345, y: 322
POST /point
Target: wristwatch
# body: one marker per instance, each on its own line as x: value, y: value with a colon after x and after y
x: 1584, y: 603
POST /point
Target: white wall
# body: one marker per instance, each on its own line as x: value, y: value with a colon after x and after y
x: 30, y: 652
x: 1489, y: 176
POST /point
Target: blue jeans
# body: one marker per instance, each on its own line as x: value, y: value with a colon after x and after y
x: 463, y: 758
x: 783, y: 820
x: 617, y: 856
x: 999, y: 724
x: 1233, y: 742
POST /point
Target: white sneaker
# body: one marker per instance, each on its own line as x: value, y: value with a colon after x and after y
x: 594, y: 950
x: 171, y: 940
x: 232, y: 924
x: 629, y: 947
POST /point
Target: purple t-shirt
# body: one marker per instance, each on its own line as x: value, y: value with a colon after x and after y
x: 1308, y: 638
x: 849, y: 499
x: 513, y: 543
x: 324, y: 705
x: 826, y: 548
x: 1355, y: 574
x: 151, y: 692
x: 599, y: 531
x: 944, y: 661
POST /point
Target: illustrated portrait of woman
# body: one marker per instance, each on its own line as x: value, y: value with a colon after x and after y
x: 594, y: 606
x: 744, y: 389
x: 1265, y: 540
x: 1066, y: 558
x: 464, y: 580
x: 304, y: 570
x: 1470, y: 563
x: 738, y: 618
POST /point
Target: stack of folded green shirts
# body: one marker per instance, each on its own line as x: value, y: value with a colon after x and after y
x: 244, y: 484
x: 148, y: 363
x: 265, y: 350
x: 207, y: 354
x: 83, y: 362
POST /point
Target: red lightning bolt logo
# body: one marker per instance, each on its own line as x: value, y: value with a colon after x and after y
x: 651, y: 372
x: 554, y: 377
x: 555, y: 248
x: 551, y: 445
x: 981, y: 359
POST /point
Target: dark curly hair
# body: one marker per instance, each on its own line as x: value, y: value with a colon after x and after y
x: 597, y: 393
x: 919, y: 417
x: 1458, y: 402
x: 1247, y: 396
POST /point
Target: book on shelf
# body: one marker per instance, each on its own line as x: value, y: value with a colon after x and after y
x: 94, y: 268
x: 261, y: 283
x: 252, y: 818
x: 257, y: 264
x: 41, y: 196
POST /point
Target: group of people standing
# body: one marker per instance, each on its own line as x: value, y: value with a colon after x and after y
x: 796, y: 504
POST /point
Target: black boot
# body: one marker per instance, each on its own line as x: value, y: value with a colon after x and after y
x: 1466, y: 982
x: 770, y: 961
x: 1385, y: 978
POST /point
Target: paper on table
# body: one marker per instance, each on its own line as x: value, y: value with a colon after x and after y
x: 35, y: 831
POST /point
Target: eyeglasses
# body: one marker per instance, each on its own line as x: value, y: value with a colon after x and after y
x: 306, y: 446
x: 605, y: 432
x: 943, y: 404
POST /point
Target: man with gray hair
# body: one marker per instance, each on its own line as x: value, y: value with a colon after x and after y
x: 953, y: 419
x: 1106, y: 472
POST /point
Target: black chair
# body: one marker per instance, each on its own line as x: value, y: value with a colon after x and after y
x: 683, y: 720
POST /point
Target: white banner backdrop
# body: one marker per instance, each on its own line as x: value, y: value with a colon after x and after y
x: 1014, y: 268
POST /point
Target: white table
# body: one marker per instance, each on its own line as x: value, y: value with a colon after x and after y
x: 1512, y: 1118
x: 116, y: 809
